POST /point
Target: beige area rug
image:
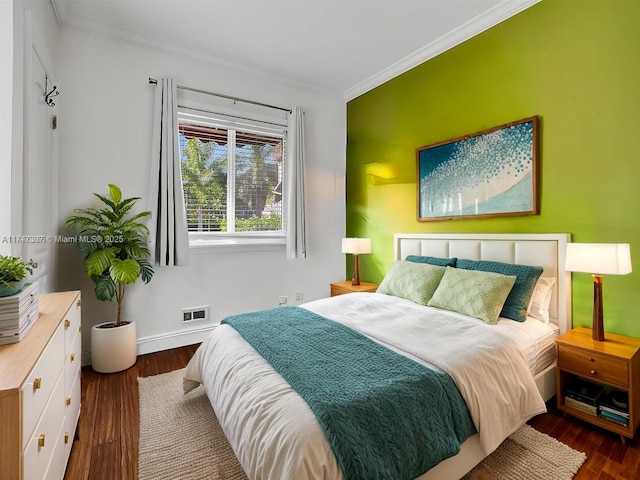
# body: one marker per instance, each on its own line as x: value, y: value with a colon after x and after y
x: 529, y: 455
x: 180, y: 438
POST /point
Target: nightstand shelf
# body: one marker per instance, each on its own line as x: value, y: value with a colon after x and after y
x: 340, y: 288
x: 613, y: 363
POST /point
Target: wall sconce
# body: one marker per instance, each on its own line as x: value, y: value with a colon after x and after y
x: 598, y: 259
x: 356, y: 246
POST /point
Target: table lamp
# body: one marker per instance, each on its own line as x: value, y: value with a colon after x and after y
x: 356, y: 246
x: 598, y: 259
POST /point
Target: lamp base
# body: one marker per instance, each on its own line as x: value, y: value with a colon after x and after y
x: 598, y: 322
x: 356, y: 270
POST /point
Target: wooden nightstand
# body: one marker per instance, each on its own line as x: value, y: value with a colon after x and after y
x: 340, y: 288
x: 612, y: 363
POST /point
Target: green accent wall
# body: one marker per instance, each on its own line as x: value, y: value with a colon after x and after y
x: 576, y: 64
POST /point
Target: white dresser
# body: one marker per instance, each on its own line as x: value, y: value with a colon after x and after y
x: 40, y: 392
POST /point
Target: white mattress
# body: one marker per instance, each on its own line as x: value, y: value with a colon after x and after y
x: 536, y: 340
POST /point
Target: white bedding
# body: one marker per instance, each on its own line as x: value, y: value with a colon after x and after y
x: 536, y: 340
x: 275, y: 434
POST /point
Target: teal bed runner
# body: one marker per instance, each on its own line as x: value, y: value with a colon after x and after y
x: 385, y: 416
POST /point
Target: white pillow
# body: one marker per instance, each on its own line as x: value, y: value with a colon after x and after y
x: 541, y: 298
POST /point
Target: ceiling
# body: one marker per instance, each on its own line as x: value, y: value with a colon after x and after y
x: 344, y: 46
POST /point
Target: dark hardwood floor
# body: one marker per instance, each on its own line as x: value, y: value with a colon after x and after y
x: 107, y: 444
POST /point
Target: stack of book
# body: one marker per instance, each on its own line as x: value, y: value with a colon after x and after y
x: 614, y: 406
x: 583, y: 395
x: 18, y: 313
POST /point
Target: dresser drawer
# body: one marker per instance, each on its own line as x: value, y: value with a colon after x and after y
x: 592, y: 365
x: 40, y: 383
x: 44, y: 440
x: 71, y: 415
x: 58, y: 463
x: 71, y: 324
x: 72, y: 363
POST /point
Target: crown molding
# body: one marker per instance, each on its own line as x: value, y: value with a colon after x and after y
x: 502, y: 11
x: 470, y: 29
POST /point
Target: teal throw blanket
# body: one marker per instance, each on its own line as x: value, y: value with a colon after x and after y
x: 385, y: 416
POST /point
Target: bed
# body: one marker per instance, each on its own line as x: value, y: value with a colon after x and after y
x: 276, y: 435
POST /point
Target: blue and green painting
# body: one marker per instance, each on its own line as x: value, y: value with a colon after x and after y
x: 490, y: 173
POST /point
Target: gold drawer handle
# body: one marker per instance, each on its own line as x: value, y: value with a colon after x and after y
x: 66, y: 437
x: 78, y: 303
x: 67, y: 401
x: 37, y: 383
x: 67, y: 324
x: 41, y: 441
x: 72, y: 357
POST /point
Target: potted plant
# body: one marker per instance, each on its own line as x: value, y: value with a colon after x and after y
x: 13, y: 274
x: 114, y: 244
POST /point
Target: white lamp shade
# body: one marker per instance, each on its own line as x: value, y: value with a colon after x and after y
x: 356, y: 245
x: 598, y: 258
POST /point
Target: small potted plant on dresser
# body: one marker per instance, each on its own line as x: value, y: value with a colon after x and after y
x: 13, y: 274
x: 114, y: 244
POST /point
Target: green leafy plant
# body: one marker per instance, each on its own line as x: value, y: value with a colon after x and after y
x: 13, y: 269
x: 114, y: 244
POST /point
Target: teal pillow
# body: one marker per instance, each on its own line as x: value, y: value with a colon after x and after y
x: 413, y: 281
x: 442, y: 262
x: 474, y: 293
x: 517, y: 303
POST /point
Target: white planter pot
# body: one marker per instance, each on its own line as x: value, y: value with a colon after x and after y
x: 113, y: 349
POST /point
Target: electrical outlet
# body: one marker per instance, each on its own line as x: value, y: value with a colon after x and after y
x: 282, y: 300
x: 193, y: 314
x: 298, y: 297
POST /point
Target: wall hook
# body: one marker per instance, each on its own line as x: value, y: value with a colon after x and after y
x: 53, y: 93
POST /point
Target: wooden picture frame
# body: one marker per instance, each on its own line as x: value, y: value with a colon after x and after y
x: 492, y: 173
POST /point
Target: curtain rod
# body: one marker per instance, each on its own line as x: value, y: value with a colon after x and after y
x: 235, y: 99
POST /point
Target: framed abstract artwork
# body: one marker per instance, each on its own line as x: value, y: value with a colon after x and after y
x: 492, y: 173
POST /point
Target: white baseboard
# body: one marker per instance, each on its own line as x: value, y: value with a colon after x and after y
x: 166, y: 341
x: 181, y: 338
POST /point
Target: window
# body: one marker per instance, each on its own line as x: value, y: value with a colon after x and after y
x: 232, y: 175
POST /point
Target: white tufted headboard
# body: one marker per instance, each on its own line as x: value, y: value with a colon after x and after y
x: 546, y: 250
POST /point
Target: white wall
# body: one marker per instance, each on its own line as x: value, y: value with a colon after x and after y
x: 105, y: 130
x: 6, y: 110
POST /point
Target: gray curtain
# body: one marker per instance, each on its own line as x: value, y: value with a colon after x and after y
x: 169, y: 233
x: 296, y: 203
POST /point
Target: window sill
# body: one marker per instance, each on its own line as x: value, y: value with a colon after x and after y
x: 235, y: 244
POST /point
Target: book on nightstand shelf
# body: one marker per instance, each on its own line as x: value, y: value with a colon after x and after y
x: 583, y: 407
x: 614, y: 406
x: 584, y: 396
x: 584, y: 391
x: 614, y: 418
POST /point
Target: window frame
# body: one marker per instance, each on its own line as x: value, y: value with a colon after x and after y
x: 250, y: 122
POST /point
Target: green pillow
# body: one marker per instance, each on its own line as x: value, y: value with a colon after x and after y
x: 474, y: 293
x: 413, y: 281
x: 517, y: 303
x: 442, y: 262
